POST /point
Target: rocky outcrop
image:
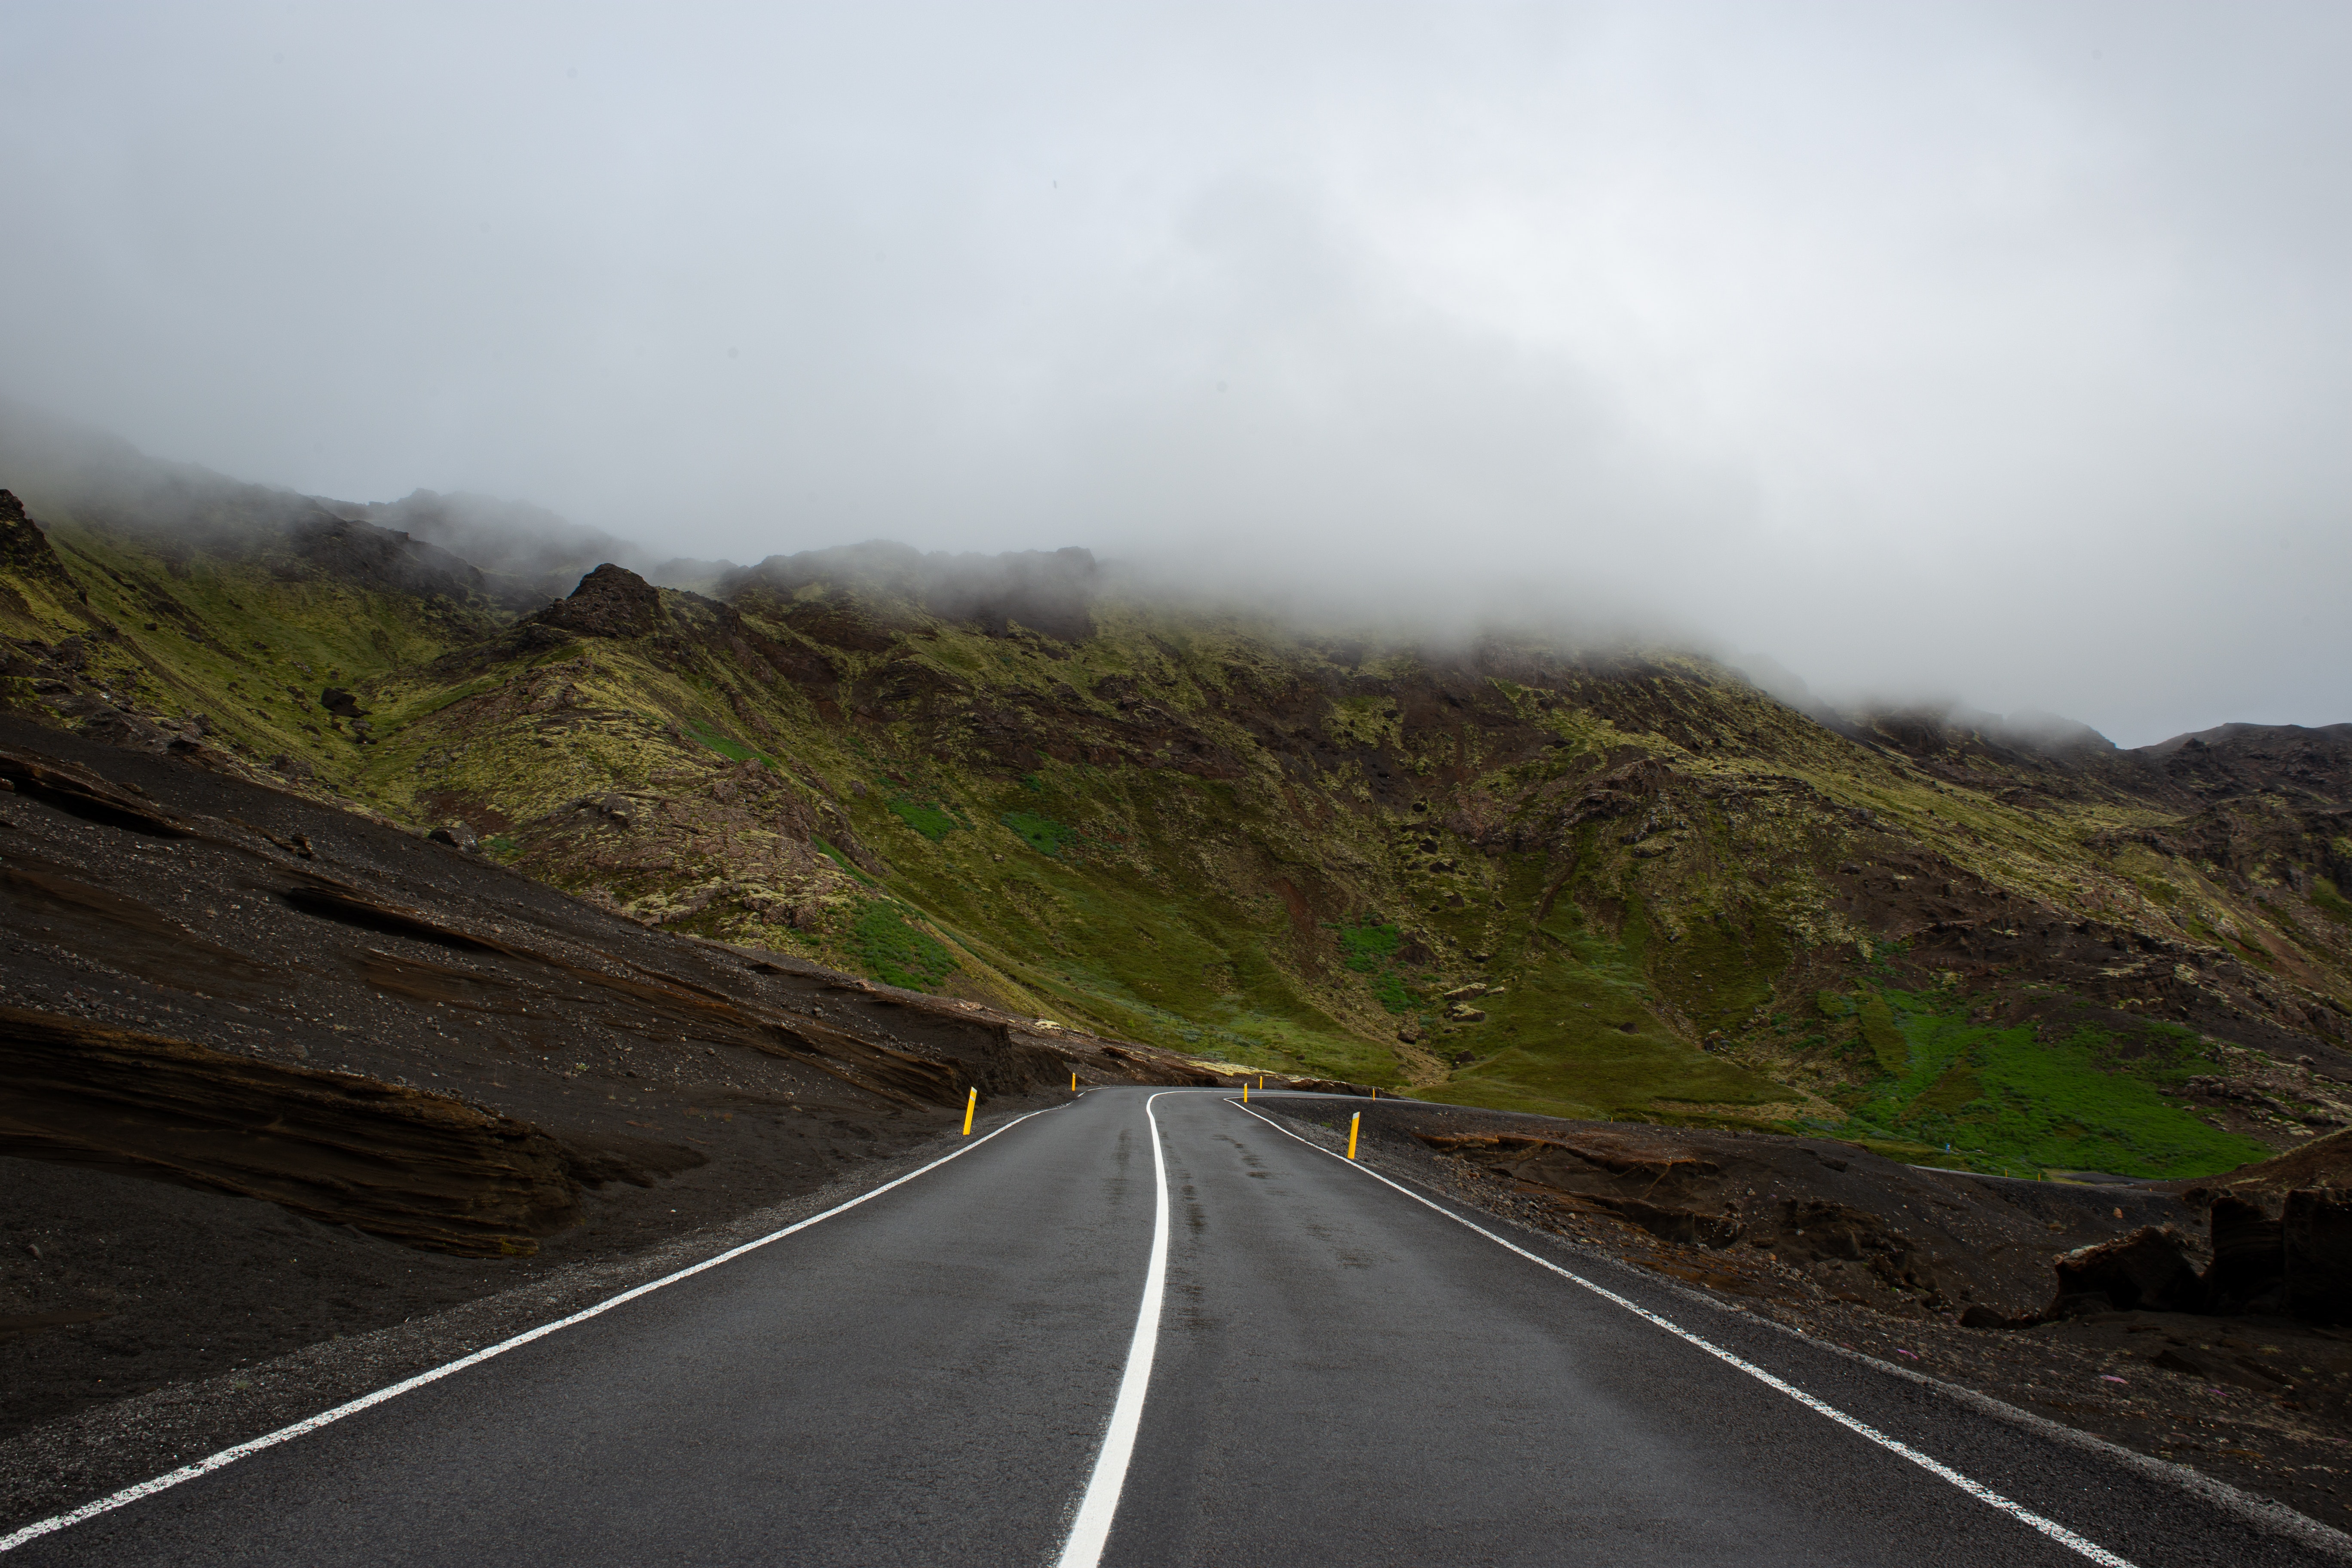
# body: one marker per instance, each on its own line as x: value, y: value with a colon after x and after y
x: 2290, y: 1254
x: 86, y: 795
x: 2316, y: 1261
x: 2146, y: 1271
x: 346, y: 1150
x: 610, y: 602
x: 382, y: 559
x: 2249, y: 1254
x: 26, y: 551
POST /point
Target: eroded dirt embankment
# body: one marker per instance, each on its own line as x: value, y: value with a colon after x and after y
x: 271, y: 1072
x: 418, y: 1168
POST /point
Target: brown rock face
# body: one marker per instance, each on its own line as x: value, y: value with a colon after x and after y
x: 2317, y: 1231
x: 2249, y: 1251
x: 2142, y: 1271
x: 25, y: 549
x: 610, y: 602
x: 417, y: 1167
x: 84, y: 794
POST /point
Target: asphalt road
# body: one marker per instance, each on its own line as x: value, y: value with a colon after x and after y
x: 1341, y: 1374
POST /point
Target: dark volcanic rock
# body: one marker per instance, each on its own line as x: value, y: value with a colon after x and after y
x: 2317, y: 1231
x: 424, y: 1169
x: 610, y: 602
x: 381, y: 559
x: 77, y: 790
x: 2249, y: 1252
x: 359, y: 1030
x: 25, y: 549
x: 2143, y: 1271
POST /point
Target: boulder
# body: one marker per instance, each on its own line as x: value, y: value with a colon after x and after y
x: 2144, y: 1271
x: 2316, y: 1236
x: 458, y: 836
x: 2249, y: 1252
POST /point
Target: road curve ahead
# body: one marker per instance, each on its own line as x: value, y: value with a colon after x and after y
x: 1334, y: 1370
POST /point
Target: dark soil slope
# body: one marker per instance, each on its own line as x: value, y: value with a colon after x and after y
x: 270, y: 1069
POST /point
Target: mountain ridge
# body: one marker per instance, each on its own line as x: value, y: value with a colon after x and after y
x: 1513, y: 872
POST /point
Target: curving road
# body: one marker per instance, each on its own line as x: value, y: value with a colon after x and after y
x: 1334, y: 1370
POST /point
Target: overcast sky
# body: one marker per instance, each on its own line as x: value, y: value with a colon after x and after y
x: 2002, y: 352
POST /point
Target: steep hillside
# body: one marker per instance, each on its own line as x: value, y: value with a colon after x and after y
x: 1582, y: 881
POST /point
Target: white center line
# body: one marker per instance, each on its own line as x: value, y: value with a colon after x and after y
x: 1983, y: 1493
x: 1091, y: 1528
x: 286, y: 1434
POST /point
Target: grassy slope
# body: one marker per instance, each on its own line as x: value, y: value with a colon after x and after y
x: 244, y: 642
x: 1290, y: 921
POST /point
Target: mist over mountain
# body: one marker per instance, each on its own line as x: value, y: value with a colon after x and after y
x: 520, y: 556
x: 1992, y: 351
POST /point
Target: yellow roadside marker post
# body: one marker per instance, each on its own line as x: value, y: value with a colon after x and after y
x: 1244, y: 1091
x: 1355, y: 1125
x: 1074, y: 1083
x: 969, y: 1107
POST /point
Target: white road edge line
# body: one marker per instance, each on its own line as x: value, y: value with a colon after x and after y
x: 1977, y: 1490
x: 287, y: 1433
x: 1090, y: 1531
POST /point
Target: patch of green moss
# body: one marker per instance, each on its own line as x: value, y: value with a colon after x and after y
x: 1958, y: 1087
x: 1718, y: 973
x: 1887, y: 1046
x: 2330, y: 902
x: 2007, y: 1101
x: 734, y: 751
x: 1572, y: 1031
x: 1367, y: 946
x: 895, y: 952
x: 1041, y: 834
x: 925, y: 817
x: 2250, y: 952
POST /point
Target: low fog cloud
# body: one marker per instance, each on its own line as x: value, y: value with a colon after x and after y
x: 1992, y: 351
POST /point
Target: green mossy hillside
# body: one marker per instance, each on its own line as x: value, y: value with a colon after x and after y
x: 2016, y: 1102
x: 1612, y: 883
